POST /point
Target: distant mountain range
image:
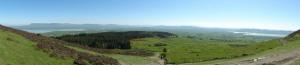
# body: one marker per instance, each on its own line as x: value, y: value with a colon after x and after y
x: 114, y: 27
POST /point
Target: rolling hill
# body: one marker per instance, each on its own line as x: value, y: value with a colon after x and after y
x: 293, y: 36
x: 24, y: 48
x: 17, y: 50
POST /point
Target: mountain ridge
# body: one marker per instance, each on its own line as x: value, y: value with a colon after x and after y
x: 115, y: 27
x: 293, y: 36
x: 130, y: 26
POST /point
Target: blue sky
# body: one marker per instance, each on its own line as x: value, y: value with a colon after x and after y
x: 262, y: 14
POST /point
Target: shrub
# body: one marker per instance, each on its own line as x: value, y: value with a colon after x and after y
x: 160, y: 44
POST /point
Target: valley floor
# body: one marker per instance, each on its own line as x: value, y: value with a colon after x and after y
x: 285, y: 55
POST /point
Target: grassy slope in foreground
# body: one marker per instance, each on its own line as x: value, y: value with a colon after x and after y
x: 16, y: 50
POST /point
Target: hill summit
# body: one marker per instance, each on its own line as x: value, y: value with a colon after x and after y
x: 293, y: 36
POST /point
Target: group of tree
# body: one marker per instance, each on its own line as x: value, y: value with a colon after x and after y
x: 111, y: 40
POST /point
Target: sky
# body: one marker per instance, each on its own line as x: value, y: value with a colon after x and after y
x: 260, y: 14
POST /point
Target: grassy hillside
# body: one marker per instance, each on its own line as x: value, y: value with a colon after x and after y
x: 56, y: 48
x: 186, y: 50
x: 294, y: 36
x: 16, y: 50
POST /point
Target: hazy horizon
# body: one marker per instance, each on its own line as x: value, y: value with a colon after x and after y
x: 154, y: 26
x: 252, y: 14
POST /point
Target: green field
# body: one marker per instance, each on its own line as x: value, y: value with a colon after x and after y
x: 199, y: 47
x: 191, y: 51
x: 16, y: 50
x: 186, y: 50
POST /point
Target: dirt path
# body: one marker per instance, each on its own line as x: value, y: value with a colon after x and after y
x: 157, y: 60
x: 283, y: 42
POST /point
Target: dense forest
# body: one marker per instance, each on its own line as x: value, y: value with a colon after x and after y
x: 112, y: 40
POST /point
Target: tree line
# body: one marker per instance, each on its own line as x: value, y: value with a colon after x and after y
x: 112, y: 40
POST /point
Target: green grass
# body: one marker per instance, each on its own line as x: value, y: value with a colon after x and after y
x: 296, y: 63
x: 291, y: 46
x: 16, y: 50
x: 185, y: 50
